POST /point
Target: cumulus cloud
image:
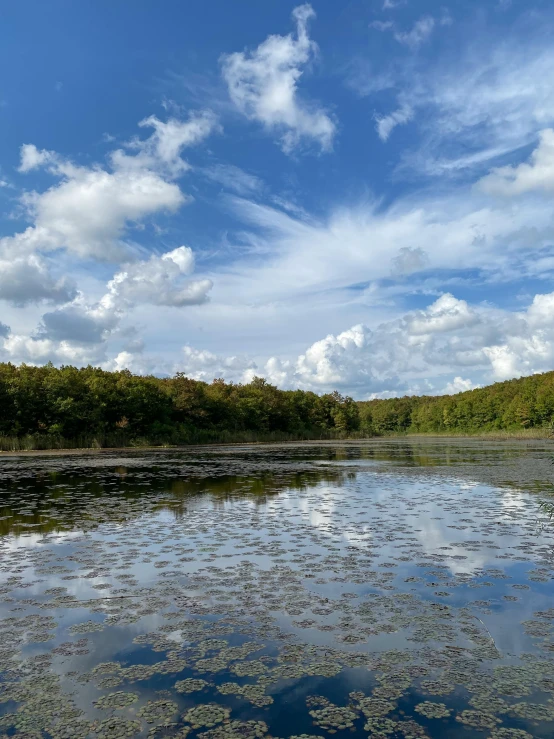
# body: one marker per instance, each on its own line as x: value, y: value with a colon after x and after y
x: 84, y: 328
x: 450, y: 334
x: 204, y: 365
x: 27, y: 279
x: 446, y: 314
x: 537, y: 174
x: 90, y: 209
x: 424, y: 351
x: 88, y: 212
x: 32, y: 158
x: 161, y: 281
x: 263, y: 84
x: 79, y: 324
x: 31, y: 350
x: 458, y: 385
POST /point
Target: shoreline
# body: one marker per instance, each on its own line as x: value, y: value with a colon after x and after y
x: 498, y: 436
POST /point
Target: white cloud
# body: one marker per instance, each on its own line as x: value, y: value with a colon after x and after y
x: 386, y: 124
x: 40, y: 351
x: 458, y: 385
x: 160, y: 281
x: 448, y: 335
x: 446, y: 314
x: 162, y: 150
x: 381, y: 25
x: 205, y: 365
x: 91, y: 208
x: 26, y: 279
x: 475, y: 107
x: 538, y: 174
x: 419, y: 33
x: 414, y: 354
x: 82, y: 330
x: 32, y: 158
x: 89, y: 211
x: 263, y: 84
x: 355, y: 244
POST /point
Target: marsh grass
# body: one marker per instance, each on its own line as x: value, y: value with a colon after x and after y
x: 498, y: 435
x: 119, y: 440
x: 47, y: 442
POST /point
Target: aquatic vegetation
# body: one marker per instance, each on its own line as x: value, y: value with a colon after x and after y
x: 242, y: 730
x: 503, y: 733
x: 372, y: 707
x: 533, y: 711
x: 120, y: 699
x: 333, y: 717
x: 379, y: 726
x: 190, y: 685
x: 116, y: 728
x: 160, y: 710
x: 316, y: 598
x: 87, y: 628
x: 432, y: 710
x: 208, y: 715
x: 436, y: 687
x: 478, y: 719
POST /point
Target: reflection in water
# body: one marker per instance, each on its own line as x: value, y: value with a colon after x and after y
x: 60, y: 502
x: 283, y: 590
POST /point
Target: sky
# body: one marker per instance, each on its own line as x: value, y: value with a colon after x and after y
x: 353, y: 196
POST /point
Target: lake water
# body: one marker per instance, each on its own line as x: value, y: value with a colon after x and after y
x: 389, y: 589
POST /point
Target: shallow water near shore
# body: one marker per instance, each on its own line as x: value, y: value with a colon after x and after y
x: 387, y: 588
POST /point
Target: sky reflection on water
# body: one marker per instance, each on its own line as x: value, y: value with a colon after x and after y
x: 307, y: 588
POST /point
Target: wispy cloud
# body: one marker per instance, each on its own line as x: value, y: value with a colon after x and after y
x: 418, y: 34
x: 386, y: 124
x: 472, y: 110
x: 263, y: 84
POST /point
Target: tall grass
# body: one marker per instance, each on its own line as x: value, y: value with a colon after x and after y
x: 47, y: 442
x: 115, y: 440
x: 544, y: 432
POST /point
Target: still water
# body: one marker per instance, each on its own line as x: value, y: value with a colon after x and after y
x: 375, y: 589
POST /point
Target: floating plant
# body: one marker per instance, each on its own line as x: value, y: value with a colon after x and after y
x: 192, y: 586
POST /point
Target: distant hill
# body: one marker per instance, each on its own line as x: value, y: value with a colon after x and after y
x: 527, y: 402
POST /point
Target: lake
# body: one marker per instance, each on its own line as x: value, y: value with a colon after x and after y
x: 391, y: 588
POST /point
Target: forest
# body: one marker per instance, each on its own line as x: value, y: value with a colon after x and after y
x: 68, y: 407
x: 46, y: 407
x: 513, y: 405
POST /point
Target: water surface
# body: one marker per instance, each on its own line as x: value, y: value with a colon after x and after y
x: 386, y: 589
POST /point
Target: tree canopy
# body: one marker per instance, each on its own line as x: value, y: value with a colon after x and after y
x: 68, y: 406
x: 115, y: 407
x: 526, y: 402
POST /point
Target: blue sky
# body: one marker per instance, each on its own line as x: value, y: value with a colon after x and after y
x: 331, y: 195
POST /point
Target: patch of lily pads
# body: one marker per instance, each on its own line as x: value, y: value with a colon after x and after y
x: 318, y: 584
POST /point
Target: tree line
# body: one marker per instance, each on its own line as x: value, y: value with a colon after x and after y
x: 523, y: 403
x: 49, y: 407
